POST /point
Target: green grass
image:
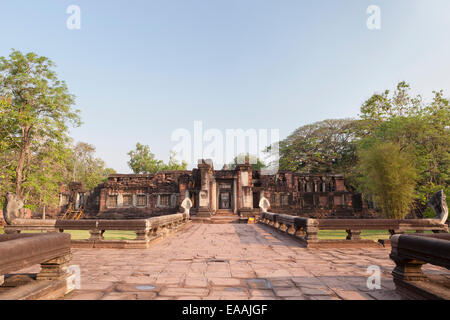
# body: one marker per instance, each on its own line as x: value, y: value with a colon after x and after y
x: 365, y: 234
x: 342, y: 234
x: 323, y: 234
x: 84, y: 234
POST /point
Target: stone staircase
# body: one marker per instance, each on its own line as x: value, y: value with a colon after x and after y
x: 221, y: 217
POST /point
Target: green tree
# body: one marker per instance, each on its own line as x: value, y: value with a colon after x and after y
x: 38, y: 112
x: 7, y: 150
x: 325, y: 146
x: 143, y: 161
x: 45, y: 173
x: 419, y: 128
x: 174, y: 164
x: 85, y: 167
x: 257, y: 164
x: 390, y: 177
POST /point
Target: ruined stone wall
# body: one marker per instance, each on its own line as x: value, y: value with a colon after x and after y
x: 146, y: 195
x: 141, y: 196
x: 310, y: 195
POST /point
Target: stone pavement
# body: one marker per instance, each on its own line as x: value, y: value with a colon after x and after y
x: 232, y: 261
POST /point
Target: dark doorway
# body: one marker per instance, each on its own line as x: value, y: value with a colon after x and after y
x: 255, y: 200
x: 225, y: 200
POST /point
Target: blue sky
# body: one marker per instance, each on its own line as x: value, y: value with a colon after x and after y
x: 141, y: 69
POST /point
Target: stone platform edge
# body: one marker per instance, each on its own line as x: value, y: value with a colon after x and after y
x: 126, y: 244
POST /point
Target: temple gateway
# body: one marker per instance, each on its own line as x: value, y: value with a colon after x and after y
x: 224, y: 192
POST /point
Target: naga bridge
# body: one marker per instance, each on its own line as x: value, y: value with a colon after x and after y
x: 213, y: 246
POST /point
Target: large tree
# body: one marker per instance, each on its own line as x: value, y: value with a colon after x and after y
x: 417, y: 127
x: 84, y: 167
x: 143, y: 161
x: 389, y: 176
x: 38, y: 111
x: 325, y: 146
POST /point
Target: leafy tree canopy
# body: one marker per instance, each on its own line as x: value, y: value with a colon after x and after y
x: 389, y: 177
x: 256, y: 163
x: 35, y: 113
x: 143, y: 161
x: 325, y: 146
x: 417, y: 127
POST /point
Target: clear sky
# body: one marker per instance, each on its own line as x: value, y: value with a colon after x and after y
x: 141, y: 69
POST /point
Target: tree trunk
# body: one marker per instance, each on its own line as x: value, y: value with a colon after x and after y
x: 21, y: 163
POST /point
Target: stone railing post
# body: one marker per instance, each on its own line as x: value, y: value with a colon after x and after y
x: 54, y: 269
x: 353, y: 234
x: 142, y: 234
x: 96, y: 234
x: 408, y: 269
x: 312, y: 230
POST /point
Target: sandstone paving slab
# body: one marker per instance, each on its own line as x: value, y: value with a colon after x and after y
x: 352, y: 295
x: 263, y: 293
x: 174, y: 292
x: 201, y: 282
x: 85, y: 295
x: 288, y: 292
x: 119, y: 296
x: 224, y: 281
x: 230, y: 262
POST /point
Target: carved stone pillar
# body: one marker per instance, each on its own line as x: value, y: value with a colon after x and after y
x: 206, y: 171
x: 245, y: 190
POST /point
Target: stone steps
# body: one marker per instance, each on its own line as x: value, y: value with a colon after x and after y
x: 222, y: 219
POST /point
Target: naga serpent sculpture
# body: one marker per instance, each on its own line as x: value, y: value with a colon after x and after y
x: 438, y: 203
x: 12, y: 208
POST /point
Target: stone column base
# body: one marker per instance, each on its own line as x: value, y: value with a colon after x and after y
x: 54, y: 269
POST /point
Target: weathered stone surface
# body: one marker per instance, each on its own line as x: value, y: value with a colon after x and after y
x: 410, y: 253
x: 198, y: 262
x: 12, y: 208
x: 237, y: 191
x: 439, y: 204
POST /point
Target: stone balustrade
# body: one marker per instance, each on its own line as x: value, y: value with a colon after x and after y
x: 306, y: 229
x: 410, y: 253
x: 50, y: 250
x: 146, y: 230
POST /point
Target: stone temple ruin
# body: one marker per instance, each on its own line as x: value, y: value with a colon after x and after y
x: 38, y: 256
x: 224, y: 192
